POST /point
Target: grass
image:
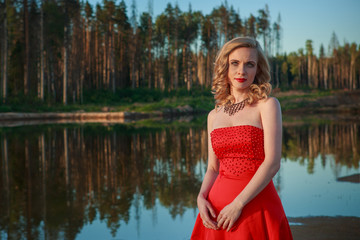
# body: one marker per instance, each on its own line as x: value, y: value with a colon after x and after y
x: 148, y: 100
x: 136, y: 100
x: 291, y: 100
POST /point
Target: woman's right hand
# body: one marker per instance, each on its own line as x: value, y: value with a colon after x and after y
x: 205, y: 210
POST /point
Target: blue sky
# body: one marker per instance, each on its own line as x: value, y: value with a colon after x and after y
x: 300, y: 19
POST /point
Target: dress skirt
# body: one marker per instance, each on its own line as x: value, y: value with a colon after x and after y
x: 261, y: 219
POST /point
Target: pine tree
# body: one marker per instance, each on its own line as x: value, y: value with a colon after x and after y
x: 27, y: 48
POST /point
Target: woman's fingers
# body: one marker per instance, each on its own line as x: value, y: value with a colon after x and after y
x: 208, y: 222
x: 221, y: 220
x: 206, y: 210
x: 228, y: 216
x: 231, y: 224
x: 211, y: 210
x: 226, y: 224
x: 209, y: 225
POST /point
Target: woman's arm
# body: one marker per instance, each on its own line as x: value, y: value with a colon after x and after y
x: 210, y: 176
x: 272, y: 125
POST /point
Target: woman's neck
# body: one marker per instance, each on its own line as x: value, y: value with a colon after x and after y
x: 239, y: 96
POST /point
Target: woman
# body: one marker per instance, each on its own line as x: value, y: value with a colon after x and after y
x: 237, y: 199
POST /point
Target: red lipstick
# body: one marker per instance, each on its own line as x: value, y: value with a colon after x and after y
x: 241, y: 80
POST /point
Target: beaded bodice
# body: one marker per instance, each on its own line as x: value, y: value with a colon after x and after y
x: 239, y: 149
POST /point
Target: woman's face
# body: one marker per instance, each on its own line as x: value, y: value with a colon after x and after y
x: 242, y: 68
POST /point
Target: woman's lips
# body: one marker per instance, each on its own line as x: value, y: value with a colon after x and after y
x: 240, y: 79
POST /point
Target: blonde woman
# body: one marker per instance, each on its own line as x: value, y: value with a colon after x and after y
x: 237, y: 199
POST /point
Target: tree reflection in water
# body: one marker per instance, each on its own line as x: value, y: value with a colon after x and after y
x: 304, y: 143
x: 56, y: 179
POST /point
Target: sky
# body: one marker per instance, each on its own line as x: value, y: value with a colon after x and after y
x: 300, y: 19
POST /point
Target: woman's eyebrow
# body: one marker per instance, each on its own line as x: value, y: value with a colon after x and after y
x: 235, y: 60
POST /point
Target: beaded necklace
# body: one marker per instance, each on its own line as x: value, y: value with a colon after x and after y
x: 234, y: 108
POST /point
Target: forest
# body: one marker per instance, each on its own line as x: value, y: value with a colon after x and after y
x: 61, y: 52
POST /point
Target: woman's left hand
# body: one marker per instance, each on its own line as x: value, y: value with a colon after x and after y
x: 228, y: 216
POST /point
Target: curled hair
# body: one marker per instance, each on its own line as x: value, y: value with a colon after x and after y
x: 260, y: 89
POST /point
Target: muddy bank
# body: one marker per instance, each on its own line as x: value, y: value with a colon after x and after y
x: 73, y: 116
x: 18, y: 119
x: 325, y: 228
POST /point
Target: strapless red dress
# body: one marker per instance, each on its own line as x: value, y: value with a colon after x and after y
x: 240, y: 150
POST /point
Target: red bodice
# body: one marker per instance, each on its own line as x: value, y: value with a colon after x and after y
x: 239, y: 149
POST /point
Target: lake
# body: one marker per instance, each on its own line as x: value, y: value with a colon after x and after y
x: 140, y: 180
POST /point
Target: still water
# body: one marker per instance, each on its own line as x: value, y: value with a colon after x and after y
x: 140, y: 180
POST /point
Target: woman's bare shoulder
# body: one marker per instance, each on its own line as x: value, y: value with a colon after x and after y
x: 212, y: 115
x: 269, y: 103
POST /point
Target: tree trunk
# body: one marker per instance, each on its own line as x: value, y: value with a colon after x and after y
x: 184, y: 63
x: 27, y: 48
x: 89, y: 71
x: 65, y: 73
x: 132, y: 67
x: 208, y: 74
x: 133, y: 61
x: 309, y: 75
x: 169, y: 65
x: 41, y: 94
x: 83, y: 58
x: 176, y: 65
x: 149, y: 53
x: 121, y: 63
x: 277, y: 79
x: 352, y: 79
x: 326, y: 73
x: 112, y: 59
x: 5, y: 58
x: 97, y: 68
x: 201, y: 69
x: 106, y: 61
x: 188, y: 72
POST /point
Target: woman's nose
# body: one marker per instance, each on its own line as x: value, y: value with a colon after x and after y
x: 241, y: 69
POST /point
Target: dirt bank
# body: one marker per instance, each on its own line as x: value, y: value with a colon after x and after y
x: 325, y: 228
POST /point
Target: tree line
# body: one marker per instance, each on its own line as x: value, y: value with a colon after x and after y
x: 57, y: 51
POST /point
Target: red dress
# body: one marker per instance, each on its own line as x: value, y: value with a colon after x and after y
x: 240, y: 150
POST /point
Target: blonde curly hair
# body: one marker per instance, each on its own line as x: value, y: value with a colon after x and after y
x: 260, y: 89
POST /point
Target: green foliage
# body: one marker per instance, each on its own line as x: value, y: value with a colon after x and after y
x: 138, y: 100
x: 122, y: 96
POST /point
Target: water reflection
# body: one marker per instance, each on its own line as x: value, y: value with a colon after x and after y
x: 63, y: 177
x: 55, y: 180
x: 304, y: 143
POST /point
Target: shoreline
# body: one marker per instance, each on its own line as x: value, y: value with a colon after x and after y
x: 28, y: 119
x: 341, y: 105
x: 325, y: 228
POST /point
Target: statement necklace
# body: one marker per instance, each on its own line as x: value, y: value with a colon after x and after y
x: 234, y: 108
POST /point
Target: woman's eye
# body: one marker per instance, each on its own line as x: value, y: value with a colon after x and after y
x: 250, y: 64
x: 234, y: 63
